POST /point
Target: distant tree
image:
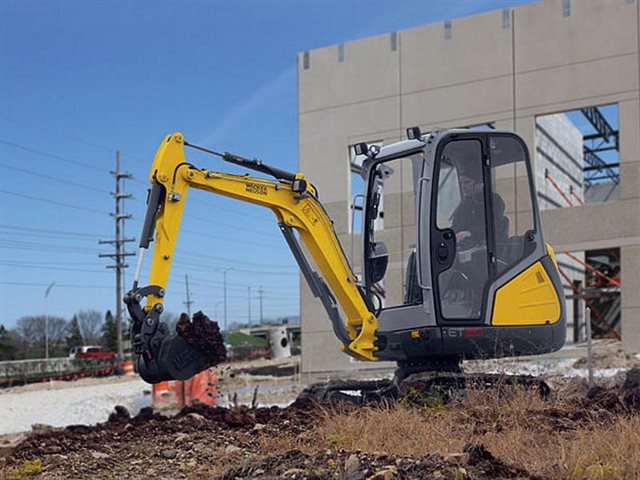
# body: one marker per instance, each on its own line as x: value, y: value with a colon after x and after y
x: 30, y: 330
x: 110, y: 332
x: 8, y: 349
x: 74, y: 336
x: 58, y: 328
x: 90, y: 325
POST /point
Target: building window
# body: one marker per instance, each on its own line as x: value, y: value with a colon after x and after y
x: 577, y: 157
x: 447, y: 30
x: 394, y: 41
x: 506, y: 18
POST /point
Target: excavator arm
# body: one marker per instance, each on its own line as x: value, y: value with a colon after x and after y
x: 293, y: 200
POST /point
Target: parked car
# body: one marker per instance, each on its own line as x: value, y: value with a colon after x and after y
x: 90, y: 352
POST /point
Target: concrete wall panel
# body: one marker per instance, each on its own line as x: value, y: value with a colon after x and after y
x: 630, y: 256
x: 458, y: 105
x: 321, y: 353
x: 593, y: 30
x: 324, y: 150
x: 430, y: 61
x: 369, y: 71
x: 586, y: 84
x: 579, y: 228
x: 629, y: 118
x: 631, y: 329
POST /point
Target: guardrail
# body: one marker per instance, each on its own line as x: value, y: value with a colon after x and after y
x: 34, y: 370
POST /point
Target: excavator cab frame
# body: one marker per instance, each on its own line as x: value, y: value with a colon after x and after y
x: 517, y: 306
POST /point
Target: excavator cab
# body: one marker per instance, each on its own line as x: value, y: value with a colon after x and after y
x: 454, y: 259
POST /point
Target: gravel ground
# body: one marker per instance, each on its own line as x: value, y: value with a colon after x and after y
x: 67, y: 403
x: 90, y: 400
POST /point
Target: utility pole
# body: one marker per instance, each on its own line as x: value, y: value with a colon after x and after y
x: 46, y: 320
x: 188, y: 302
x: 119, y: 244
x: 249, y: 302
x: 260, y: 292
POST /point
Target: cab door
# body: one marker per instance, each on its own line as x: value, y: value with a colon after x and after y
x: 460, y: 232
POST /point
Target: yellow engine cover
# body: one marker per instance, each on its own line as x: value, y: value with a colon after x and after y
x: 528, y: 299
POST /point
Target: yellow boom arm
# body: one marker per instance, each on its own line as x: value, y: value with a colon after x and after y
x: 296, y: 207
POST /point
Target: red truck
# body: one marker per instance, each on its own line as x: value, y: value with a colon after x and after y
x: 90, y: 352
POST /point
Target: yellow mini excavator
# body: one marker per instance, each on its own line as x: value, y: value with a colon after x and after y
x: 453, y: 259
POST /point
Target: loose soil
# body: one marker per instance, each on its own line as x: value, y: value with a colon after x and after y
x: 204, y: 334
x: 316, y: 441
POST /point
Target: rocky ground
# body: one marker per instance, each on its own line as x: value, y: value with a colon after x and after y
x: 575, y: 433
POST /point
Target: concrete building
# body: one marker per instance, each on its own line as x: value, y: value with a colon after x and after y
x: 510, y: 68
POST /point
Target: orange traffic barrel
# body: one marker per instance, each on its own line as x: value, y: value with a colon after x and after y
x: 201, y: 388
x: 204, y: 388
x: 162, y: 393
x: 127, y: 367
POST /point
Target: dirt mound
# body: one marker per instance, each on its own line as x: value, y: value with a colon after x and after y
x: 616, y: 358
x: 481, y: 437
x: 474, y: 463
x: 621, y: 397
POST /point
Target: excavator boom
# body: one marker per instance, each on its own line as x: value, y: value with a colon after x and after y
x: 294, y: 202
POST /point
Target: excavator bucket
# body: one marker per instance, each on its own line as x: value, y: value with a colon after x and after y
x: 195, y: 346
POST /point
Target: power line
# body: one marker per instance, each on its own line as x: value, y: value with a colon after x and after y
x: 210, y: 268
x: 44, y: 230
x: 74, y: 138
x: 58, y: 285
x: 88, y: 187
x: 43, y: 235
x: 52, y: 202
x: 217, y: 237
x: 12, y: 264
x: 55, y: 179
x: 51, y: 266
x: 48, y: 250
x: 45, y: 246
x: 52, y: 155
x: 28, y: 262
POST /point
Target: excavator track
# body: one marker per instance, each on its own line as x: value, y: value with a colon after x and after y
x: 429, y: 388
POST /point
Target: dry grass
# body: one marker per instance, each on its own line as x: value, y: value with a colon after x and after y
x: 553, y: 439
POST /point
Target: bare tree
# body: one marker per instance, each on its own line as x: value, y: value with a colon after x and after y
x: 90, y: 322
x: 30, y: 330
x: 57, y: 330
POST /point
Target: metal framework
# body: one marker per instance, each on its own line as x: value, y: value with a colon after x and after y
x: 605, y: 139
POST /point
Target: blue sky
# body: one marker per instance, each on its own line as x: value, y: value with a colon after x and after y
x: 80, y: 80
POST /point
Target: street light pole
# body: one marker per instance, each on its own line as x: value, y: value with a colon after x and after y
x: 46, y: 320
x: 224, y: 289
x: 249, y: 303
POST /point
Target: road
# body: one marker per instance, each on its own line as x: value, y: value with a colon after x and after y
x: 68, y: 403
